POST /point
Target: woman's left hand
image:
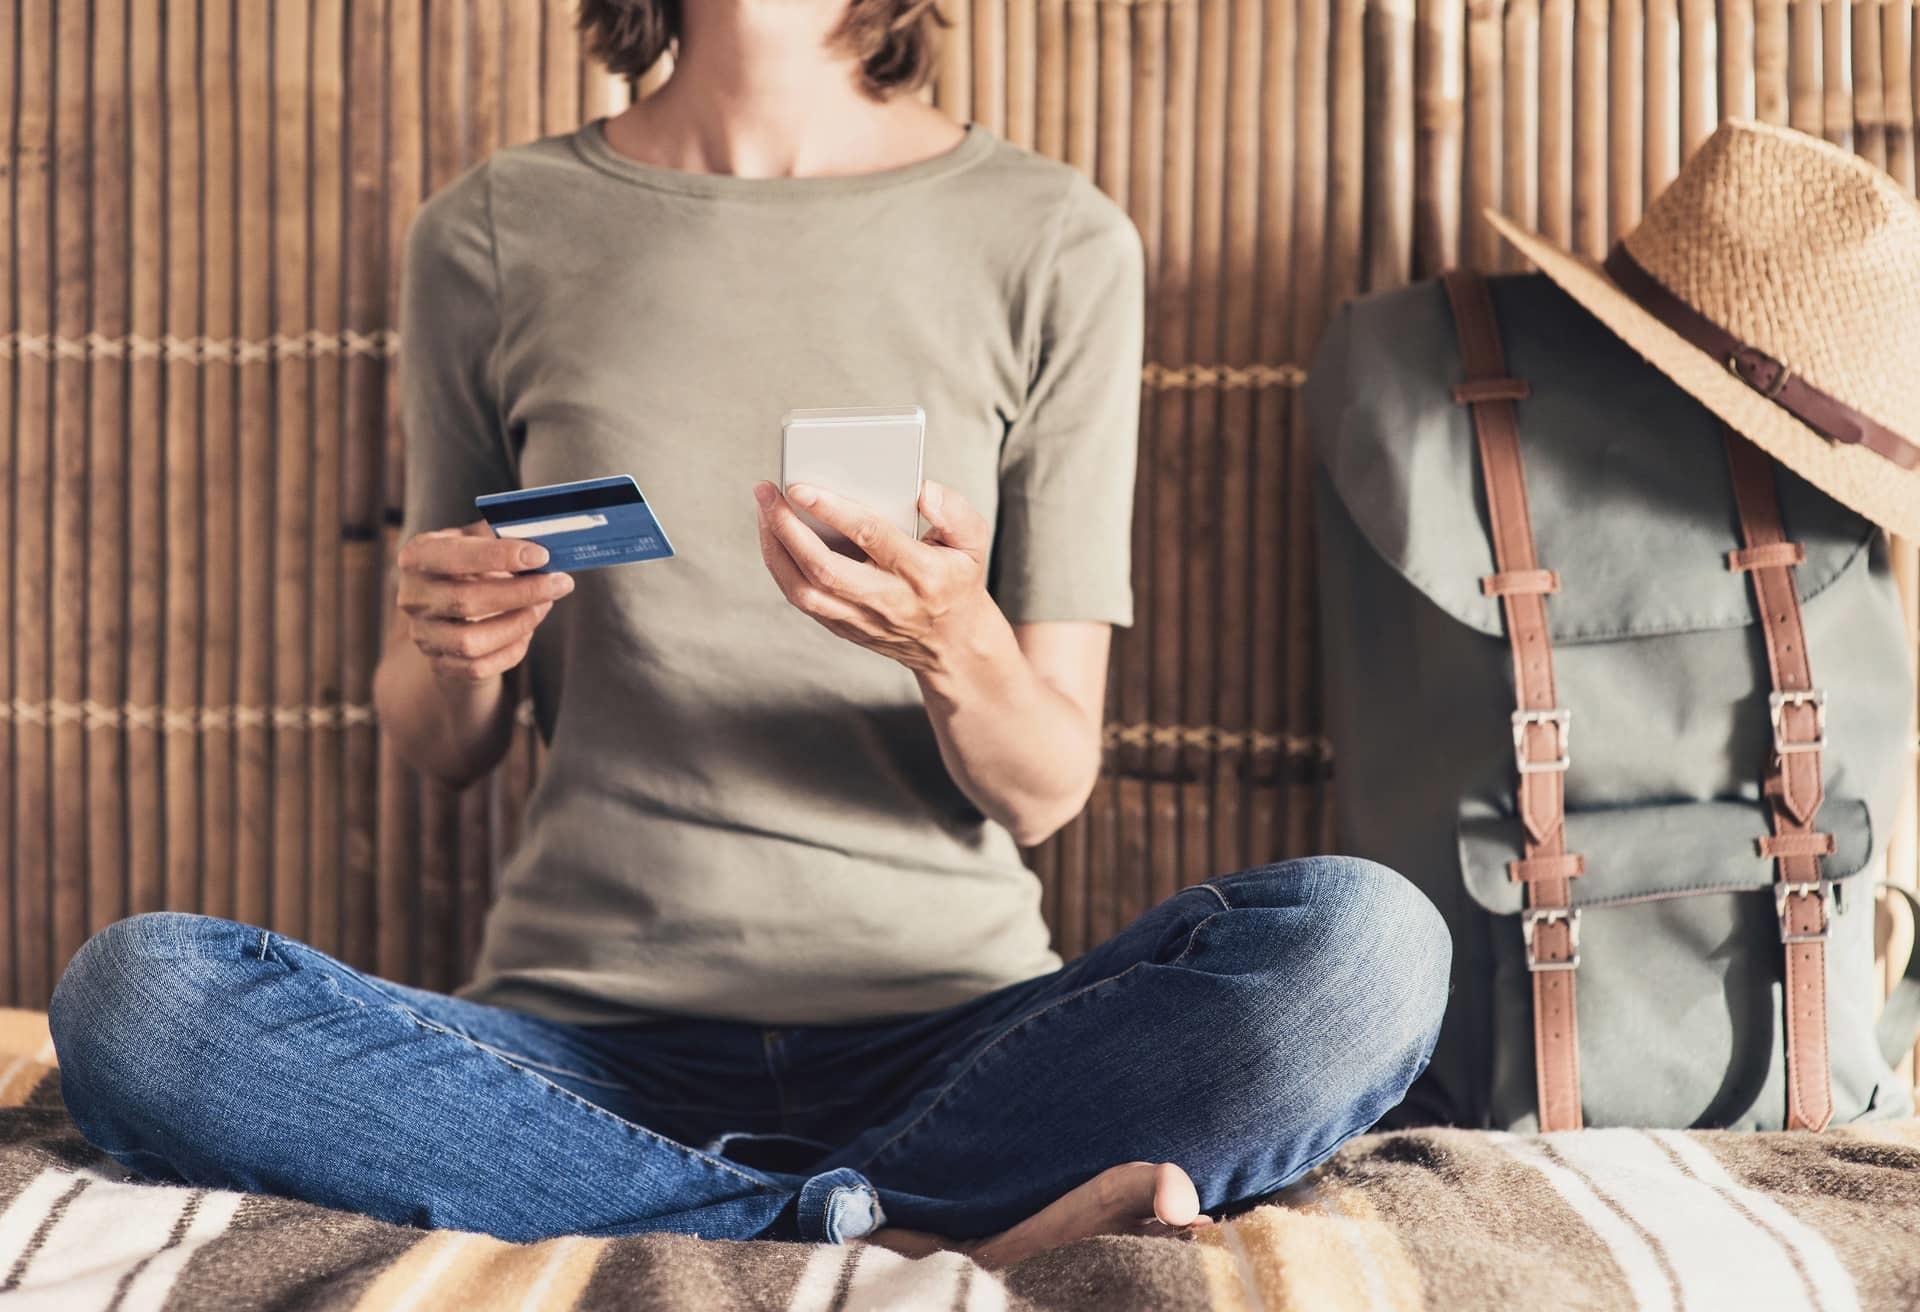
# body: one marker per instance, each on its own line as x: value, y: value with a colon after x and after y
x: 912, y: 601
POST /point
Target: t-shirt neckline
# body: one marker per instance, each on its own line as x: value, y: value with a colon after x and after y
x: 591, y: 142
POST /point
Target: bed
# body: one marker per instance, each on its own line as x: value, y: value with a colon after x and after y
x: 1601, y: 1219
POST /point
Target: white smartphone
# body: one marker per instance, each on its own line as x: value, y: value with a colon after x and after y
x: 867, y: 454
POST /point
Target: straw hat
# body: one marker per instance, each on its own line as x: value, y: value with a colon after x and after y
x: 1778, y: 281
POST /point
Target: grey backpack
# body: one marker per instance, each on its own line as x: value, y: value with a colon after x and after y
x: 1652, y: 816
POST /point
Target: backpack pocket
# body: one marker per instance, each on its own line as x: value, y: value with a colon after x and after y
x: 1679, y: 993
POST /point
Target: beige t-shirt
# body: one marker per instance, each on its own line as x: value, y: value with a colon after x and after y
x: 742, y: 815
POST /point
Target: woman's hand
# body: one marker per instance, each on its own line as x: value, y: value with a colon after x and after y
x: 913, y: 601
x: 467, y: 608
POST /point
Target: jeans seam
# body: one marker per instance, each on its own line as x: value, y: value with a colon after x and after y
x: 517, y: 1059
x: 1225, y: 905
x: 563, y: 1091
x: 973, y: 1062
x: 535, y: 1074
x: 826, y: 1208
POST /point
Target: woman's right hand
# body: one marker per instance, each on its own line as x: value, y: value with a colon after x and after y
x: 469, y: 608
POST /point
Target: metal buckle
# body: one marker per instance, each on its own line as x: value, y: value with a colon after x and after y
x: 1561, y: 719
x: 1750, y: 358
x: 1532, y: 917
x: 1777, y: 704
x: 1815, y: 888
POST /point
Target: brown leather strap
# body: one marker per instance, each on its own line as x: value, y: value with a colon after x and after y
x: 1550, y: 926
x: 1824, y: 413
x: 1774, y: 553
x: 1568, y: 865
x: 1795, y: 844
x: 1793, y: 790
x: 1531, y: 580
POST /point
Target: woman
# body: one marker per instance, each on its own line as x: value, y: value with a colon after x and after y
x: 767, y: 963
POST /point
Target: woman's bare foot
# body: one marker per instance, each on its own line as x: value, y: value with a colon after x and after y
x: 1140, y: 1198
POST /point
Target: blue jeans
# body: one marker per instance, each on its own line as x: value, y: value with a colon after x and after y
x: 1242, y: 1029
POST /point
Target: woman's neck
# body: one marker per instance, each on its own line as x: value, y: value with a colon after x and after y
x: 761, y: 89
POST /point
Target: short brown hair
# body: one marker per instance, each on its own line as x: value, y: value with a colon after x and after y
x: 893, y: 39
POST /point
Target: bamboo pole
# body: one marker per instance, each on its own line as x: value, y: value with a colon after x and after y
x: 1172, y: 334
x: 323, y: 748
x: 1836, y: 104
x: 520, y: 75
x: 1520, y: 135
x: 1626, y: 130
x: 1786, y: 63
x: 10, y: 322
x: 1147, y: 134
x: 559, y: 68
x: 438, y: 857
x: 1205, y: 474
x: 1050, y: 95
x: 33, y: 269
x: 1238, y: 571
x: 1699, y: 88
x: 255, y: 628
x: 186, y: 280
x: 363, y: 596
x: 1312, y: 137
x: 397, y: 869
x: 288, y: 467
x: 1738, y: 42
x: 1023, y: 36
x: 1110, y: 907
x: 1590, y: 62
x: 1113, y: 156
x: 1083, y: 84
x: 1869, y: 102
x: 1662, y: 113
x: 1486, y: 93
x: 1073, y: 877
x: 475, y: 878
x: 102, y: 602
x: 1388, y: 145
x: 219, y: 466
x: 142, y: 798
x: 989, y: 22
x: 1438, y: 115
x: 1899, y: 74
x: 1273, y: 473
x: 1556, y: 121
x: 67, y: 853
x: 479, y: 75
x: 1348, y: 156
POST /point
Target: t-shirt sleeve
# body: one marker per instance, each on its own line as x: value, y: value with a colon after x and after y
x: 449, y: 324
x: 1063, y: 548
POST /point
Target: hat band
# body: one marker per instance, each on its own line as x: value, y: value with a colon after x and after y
x: 1827, y: 415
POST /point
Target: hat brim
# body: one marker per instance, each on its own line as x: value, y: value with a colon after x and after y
x: 1856, y: 477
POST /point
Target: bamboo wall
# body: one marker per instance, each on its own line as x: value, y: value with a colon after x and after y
x: 206, y: 200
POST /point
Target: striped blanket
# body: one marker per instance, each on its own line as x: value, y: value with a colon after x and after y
x: 1600, y: 1220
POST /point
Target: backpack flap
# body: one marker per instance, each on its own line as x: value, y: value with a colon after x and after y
x: 1626, y: 474
x: 1670, y: 850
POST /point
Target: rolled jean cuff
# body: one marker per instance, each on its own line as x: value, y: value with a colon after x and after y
x: 837, y: 1206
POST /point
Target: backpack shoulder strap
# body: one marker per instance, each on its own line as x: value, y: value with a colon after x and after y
x: 1794, y: 788
x: 1549, y: 924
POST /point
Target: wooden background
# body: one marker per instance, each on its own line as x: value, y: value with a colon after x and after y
x: 205, y: 201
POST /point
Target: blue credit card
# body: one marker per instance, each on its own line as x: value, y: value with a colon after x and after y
x: 584, y: 525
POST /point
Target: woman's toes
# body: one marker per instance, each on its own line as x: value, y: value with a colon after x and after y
x: 1175, y: 1201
